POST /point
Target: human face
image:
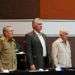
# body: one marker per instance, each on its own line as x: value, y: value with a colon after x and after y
x: 64, y: 36
x: 8, y: 33
x: 37, y: 27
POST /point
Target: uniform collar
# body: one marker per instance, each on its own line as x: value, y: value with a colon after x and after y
x: 4, y: 38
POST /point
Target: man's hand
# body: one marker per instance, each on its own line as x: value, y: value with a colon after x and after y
x: 32, y: 67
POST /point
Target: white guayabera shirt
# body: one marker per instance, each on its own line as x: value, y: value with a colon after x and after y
x: 61, y: 53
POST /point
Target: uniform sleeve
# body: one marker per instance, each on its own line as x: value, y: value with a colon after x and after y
x: 55, y: 53
x: 1, y: 47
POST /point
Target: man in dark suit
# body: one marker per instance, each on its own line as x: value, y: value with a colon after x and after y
x: 37, y: 48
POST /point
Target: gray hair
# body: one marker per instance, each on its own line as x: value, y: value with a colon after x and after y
x: 37, y: 20
x: 5, y: 28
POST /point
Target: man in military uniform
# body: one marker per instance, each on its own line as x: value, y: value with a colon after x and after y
x: 8, y: 60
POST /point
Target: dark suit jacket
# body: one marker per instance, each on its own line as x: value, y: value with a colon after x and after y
x: 34, y: 49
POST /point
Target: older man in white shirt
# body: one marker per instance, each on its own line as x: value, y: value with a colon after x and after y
x: 61, y: 51
x: 37, y: 48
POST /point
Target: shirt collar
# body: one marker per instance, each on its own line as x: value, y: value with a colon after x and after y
x: 60, y: 40
x: 37, y: 32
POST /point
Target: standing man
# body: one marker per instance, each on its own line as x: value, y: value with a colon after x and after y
x: 8, y: 59
x: 61, y: 51
x: 37, y: 47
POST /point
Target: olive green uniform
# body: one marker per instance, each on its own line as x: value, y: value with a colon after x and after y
x: 8, y: 58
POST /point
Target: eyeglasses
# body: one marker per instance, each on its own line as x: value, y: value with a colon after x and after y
x: 9, y: 30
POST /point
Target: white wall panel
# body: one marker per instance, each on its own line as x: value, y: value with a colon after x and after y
x: 51, y: 27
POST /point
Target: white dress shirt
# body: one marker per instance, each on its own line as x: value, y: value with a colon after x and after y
x: 61, y: 53
x: 42, y: 43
